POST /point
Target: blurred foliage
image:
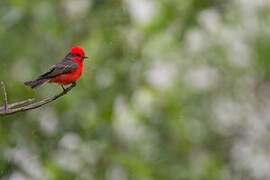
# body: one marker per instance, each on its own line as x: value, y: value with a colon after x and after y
x: 173, y: 90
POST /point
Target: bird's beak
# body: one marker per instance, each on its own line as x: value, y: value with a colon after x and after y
x: 85, y: 57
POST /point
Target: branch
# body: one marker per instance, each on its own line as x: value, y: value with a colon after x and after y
x: 4, y: 96
x: 28, y: 104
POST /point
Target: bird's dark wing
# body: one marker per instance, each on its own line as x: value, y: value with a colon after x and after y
x: 65, y: 66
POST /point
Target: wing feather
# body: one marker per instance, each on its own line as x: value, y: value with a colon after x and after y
x: 65, y: 66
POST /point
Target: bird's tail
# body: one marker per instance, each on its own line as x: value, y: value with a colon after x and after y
x: 36, y: 83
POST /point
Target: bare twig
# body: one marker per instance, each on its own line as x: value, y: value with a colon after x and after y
x: 20, y: 103
x: 28, y: 104
x: 4, y: 96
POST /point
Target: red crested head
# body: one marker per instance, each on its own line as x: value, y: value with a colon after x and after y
x: 78, y: 51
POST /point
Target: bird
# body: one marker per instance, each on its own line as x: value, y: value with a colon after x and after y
x: 66, y: 72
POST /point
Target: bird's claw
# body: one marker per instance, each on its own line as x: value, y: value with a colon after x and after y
x: 64, y: 89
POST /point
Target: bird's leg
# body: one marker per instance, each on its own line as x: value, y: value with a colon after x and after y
x: 64, y: 89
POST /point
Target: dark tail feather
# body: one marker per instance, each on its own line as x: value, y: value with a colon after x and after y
x: 36, y: 83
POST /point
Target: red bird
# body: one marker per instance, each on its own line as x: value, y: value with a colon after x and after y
x: 68, y: 71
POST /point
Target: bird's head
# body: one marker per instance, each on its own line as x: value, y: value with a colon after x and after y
x: 77, y: 51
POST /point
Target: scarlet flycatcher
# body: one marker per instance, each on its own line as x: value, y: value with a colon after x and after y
x: 68, y: 71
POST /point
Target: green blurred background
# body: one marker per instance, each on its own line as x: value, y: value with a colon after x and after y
x: 173, y: 90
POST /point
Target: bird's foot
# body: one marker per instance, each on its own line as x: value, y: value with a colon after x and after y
x: 64, y: 89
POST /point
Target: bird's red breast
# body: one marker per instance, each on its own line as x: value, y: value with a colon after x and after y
x: 71, y: 77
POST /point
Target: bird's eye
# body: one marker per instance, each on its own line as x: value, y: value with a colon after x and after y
x: 79, y: 55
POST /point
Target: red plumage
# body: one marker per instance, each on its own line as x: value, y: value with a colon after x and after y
x: 66, y: 72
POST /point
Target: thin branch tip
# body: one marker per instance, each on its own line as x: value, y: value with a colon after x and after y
x: 3, y: 86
